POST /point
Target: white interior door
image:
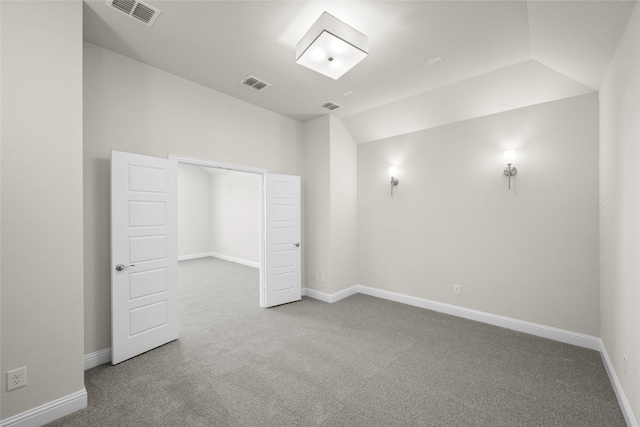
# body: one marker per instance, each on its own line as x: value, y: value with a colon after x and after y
x: 283, y: 269
x: 144, y: 254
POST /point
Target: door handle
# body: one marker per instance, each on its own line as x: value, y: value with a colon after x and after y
x: 297, y: 244
x: 121, y: 267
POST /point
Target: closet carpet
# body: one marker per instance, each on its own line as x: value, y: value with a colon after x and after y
x: 362, y: 361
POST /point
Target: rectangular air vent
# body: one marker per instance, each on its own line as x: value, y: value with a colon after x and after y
x: 254, y: 83
x: 138, y: 10
x: 125, y: 6
x: 330, y: 106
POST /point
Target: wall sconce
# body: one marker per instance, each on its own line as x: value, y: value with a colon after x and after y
x: 394, y: 181
x: 509, y: 157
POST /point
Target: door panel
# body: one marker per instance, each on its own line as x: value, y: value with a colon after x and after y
x: 148, y: 248
x: 283, y: 235
x: 148, y: 317
x: 144, y: 296
x: 144, y: 214
x: 283, y: 249
x: 284, y: 281
x: 147, y: 179
x: 147, y: 283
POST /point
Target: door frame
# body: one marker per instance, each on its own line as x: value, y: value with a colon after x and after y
x: 263, y: 209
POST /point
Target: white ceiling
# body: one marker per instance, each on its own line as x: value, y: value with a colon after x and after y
x: 520, y: 85
x: 218, y: 43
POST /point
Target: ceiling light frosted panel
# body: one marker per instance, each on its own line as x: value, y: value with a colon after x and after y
x: 331, y: 47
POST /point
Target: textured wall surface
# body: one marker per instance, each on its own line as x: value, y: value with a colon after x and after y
x: 620, y: 211
x: 344, y: 206
x: 194, y: 210
x: 316, y: 198
x: 529, y: 253
x: 235, y: 215
x: 42, y: 316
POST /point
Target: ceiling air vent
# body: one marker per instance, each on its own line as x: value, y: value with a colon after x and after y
x: 330, y: 106
x: 136, y: 9
x: 254, y: 83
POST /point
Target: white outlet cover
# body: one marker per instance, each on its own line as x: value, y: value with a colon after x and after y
x: 16, y: 378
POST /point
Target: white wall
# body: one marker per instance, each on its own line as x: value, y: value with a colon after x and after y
x: 530, y: 253
x: 219, y: 214
x: 41, y: 199
x: 316, y: 203
x: 235, y: 215
x: 620, y: 211
x: 344, y: 205
x: 129, y: 106
x: 330, y: 189
x: 194, y: 210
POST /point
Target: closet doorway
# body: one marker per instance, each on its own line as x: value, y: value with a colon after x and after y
x: 145, y: 235
x: 220, y: 224
x: 280, y: 233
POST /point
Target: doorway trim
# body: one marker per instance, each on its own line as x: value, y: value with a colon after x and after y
x: 263, y: 180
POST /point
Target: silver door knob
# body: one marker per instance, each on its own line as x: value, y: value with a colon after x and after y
x: 297, y: 245
x: 121, y: 267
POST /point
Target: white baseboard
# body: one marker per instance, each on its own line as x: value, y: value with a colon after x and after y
x: 617, y: 388
x: 220, y: 256
x: 330, y: 298
x: 236, y: 260
x: 568, y: 337
x: 194, y: 256
x: 48, y: 412
x: 97, y: 358
x: 321, y: 296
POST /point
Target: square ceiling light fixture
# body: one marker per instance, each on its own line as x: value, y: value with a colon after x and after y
x: 331, y: 47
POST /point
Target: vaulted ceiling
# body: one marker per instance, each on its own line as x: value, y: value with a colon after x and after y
x: 218, y: 43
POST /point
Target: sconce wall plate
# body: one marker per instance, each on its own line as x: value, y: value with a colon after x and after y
x: 394, y: 181
x: 510, y: 171
x: 509, y: 158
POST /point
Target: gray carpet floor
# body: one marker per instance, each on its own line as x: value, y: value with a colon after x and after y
x: 361, y: 361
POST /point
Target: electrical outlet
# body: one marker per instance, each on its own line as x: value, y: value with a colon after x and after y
x: 16, y: 378
x: 315, y: 276
x: 322, y: 278
x: 186, y: 247
x: 456, y: 289
x: 625, y: 365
